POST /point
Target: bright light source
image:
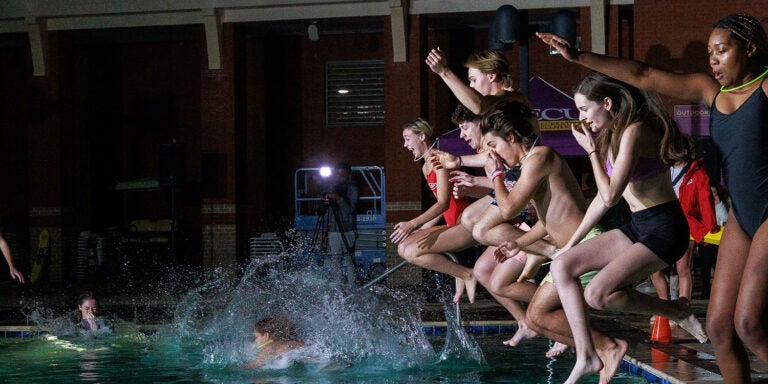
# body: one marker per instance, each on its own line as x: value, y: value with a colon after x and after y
x: 325, y: 171
x: 343, y: 91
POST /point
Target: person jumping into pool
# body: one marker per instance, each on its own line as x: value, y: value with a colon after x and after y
x: 630, y: 140
x: 547, y: 181
x: 420, y: 139
x: 737, y: 95
x: 490, y: 81
x: 274, y: 337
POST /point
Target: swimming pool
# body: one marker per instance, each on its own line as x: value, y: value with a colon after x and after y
x: 138, y: 358
x: 373, y: 335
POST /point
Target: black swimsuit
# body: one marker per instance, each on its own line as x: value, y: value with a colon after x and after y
x: 742, y: 139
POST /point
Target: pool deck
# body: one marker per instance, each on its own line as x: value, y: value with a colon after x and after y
x: 684, y: 360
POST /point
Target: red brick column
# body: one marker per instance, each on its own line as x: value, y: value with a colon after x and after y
x: 217, y: 135
x: 404, y: 90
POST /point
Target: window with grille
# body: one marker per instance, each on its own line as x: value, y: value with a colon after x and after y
x: 354, y: 93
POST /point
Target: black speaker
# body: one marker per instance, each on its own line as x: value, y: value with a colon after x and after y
x: 564, y: 25
x: 172, y: 165
x: 504, y: 29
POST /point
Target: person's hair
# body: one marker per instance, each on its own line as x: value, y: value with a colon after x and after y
x: 462, y: 114
x: 420, y: 125
x: 631, y: 105
x: 687, y: 150
x: 87, y: 295
x: 491, y: 62
x: 746, y: 29
x: 722, y: 194
x: 279, y: 328
x: 505, y: 118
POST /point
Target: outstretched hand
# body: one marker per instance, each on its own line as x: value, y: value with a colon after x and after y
x: 436, y: 61
x: 441, y: 159
x: 561, y: 45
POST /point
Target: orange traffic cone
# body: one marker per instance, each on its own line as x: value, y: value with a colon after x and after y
x: 661, y: 331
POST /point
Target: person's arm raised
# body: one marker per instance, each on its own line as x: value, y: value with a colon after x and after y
x: 467, y: 96
x: 697, y: 88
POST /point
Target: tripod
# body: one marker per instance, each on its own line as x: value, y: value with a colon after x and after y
x: 332, y: 241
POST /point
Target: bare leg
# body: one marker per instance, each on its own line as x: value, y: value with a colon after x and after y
x: 732, y: 358
x: 504, y: 283
x: 620, y: 263
x: 752, y: 304
x: 546, y: 316
x: 532, y: 265
x: 684, y: 278
x: 492, y: 229
x: 659, y: 280
x: 483, y: 271
x: 424, y: 248
x: 471, y: 215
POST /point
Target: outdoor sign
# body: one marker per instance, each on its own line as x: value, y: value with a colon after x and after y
x: 693, y: 120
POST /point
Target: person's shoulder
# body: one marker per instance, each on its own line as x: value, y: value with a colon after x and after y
x: 516, y: 95
x: 542, y: 155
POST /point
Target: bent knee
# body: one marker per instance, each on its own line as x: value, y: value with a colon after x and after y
x: 720, y: 326
x: 478, y: 233
x: 483, y: 274
x: 535, y: 318
x: 559, y: 269
x: 403, y: 251
x: 595, y: 298
x: 495, y: 286
x: 751, y: 330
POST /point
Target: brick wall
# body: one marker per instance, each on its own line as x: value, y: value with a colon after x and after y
x: 219, y: 236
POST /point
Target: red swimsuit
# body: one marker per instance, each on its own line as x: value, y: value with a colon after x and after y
x: 455, y: 206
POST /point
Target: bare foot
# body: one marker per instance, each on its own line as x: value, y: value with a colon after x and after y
x: 523, y: 332
x: 471, y: 286
x: 557, y: 350
x: 459, y: 290
x: 692, y: 325
x: 532, y: 265
x: 583, y: 368
x: 611, y: 358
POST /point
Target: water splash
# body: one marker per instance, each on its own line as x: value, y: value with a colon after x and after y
x: 340, y: 325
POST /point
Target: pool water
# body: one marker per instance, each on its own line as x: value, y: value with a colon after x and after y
x: 136, y: 358
x: 352, y: 336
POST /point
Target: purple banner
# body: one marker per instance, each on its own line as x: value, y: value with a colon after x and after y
x: 452, y: 143
x: 693, y: 120
x: 556, y: 111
